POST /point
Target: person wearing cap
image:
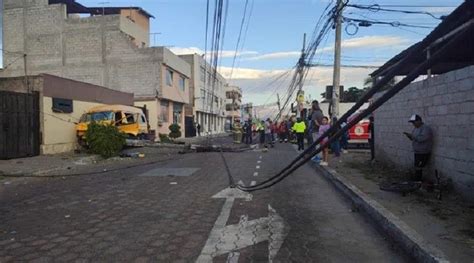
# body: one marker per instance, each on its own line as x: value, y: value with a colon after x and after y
x: 422, y: 143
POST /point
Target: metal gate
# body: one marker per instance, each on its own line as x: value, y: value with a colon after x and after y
x: 189, y: 129
x: 19, y: 125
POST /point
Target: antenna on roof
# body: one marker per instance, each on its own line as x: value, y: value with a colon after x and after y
x: 103, y: 6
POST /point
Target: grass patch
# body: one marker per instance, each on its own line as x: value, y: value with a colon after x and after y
x: 375, y: 171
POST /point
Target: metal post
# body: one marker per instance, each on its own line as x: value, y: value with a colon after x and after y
x: 428, y: 56
x: 27, y: 110
x: 337, y: 62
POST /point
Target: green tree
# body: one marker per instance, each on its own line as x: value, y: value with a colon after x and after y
x: 175, y: 131
x: 369, y: 83
x: 353, y: 94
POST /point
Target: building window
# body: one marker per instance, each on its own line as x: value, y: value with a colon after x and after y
x: 203, y: 74
x: 164, y: 111
x: 62, y: 105
x: 203, y: 97
x: 177, y: 110
x: 169, y: 78
x: 182, y: 83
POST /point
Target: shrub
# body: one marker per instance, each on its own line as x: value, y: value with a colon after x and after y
x: 175, y: 131
x: 105, y: 140
x: 164, y: 138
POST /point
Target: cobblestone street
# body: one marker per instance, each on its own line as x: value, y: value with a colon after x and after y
x: 165, y: 213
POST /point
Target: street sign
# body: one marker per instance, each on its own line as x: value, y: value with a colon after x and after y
x: 229, y: 239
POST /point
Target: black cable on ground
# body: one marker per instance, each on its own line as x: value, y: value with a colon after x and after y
x: 229, y: 175
x: 88, y: 173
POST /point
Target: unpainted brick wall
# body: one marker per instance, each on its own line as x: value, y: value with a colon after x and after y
x: 446, y: 103
x: 92, y: 49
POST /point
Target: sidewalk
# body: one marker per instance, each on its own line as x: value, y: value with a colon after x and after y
x: 202, y: 138
x: 73, y: 164
x: 447, y: 225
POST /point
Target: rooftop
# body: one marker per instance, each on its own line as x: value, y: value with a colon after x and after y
x: 459, y: 57
x: 76, y: 8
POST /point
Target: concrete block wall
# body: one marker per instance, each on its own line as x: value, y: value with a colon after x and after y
x: 446, y: 103
x: 89, y: 49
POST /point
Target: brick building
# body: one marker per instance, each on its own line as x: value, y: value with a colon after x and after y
x: 101, y: 46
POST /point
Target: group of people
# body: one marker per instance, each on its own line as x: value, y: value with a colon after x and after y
x: 315, y: 127
x: 296, y: 130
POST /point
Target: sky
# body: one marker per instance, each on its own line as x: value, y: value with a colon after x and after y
x: 275, y: 36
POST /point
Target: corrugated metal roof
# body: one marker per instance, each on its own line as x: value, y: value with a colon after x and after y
x: 459, y: 57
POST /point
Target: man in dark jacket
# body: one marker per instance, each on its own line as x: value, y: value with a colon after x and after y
x: 422, y: 143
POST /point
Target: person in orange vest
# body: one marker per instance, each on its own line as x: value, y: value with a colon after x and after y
x: 299, y: 128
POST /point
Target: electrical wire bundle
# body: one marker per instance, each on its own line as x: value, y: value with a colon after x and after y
x: 308, y: 55
x: 335, y: 131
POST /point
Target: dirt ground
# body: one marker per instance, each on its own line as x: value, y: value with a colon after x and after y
x: 447, y: 223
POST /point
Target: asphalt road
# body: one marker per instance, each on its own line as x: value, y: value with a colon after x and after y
x: 165, y: 213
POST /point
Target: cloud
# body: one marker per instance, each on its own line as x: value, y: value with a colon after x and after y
x: 196, y: 50
x: 260, y: 87
x: 248, y: 73
x: 440, y: 10
x: 276, y: 55
x: 352, y: 43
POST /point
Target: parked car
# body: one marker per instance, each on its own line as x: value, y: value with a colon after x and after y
x: 359, y: 133
x: 129, y: 120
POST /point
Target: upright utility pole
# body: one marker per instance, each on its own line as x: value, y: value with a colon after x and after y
x: 302, y: 62
x: 336, y: 82
x: 278, y: 102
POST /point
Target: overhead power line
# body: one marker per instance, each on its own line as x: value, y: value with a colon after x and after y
x: 377, y: 8
x: 367, y: 23
x: 238, y: 39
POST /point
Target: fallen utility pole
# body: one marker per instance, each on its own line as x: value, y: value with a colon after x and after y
x: 305, y: 156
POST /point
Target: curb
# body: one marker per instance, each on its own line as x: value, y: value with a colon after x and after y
x: 407, y: 238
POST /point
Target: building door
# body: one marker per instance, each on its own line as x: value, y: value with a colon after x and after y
x: 189, y: 129
x: 19, y: 125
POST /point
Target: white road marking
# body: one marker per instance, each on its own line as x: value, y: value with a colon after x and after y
x: 259, y: 161
x: 231, y: 238
x: 260, y: 157
x: 253, y: 183
x: 255, y: 174
x: 174, y: 183
x: 233, y: 257
x: 257, y: 167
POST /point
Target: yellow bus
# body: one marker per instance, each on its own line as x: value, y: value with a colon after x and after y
x: 129, y: 120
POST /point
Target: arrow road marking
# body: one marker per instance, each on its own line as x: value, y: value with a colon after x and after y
x: 229, y: 239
